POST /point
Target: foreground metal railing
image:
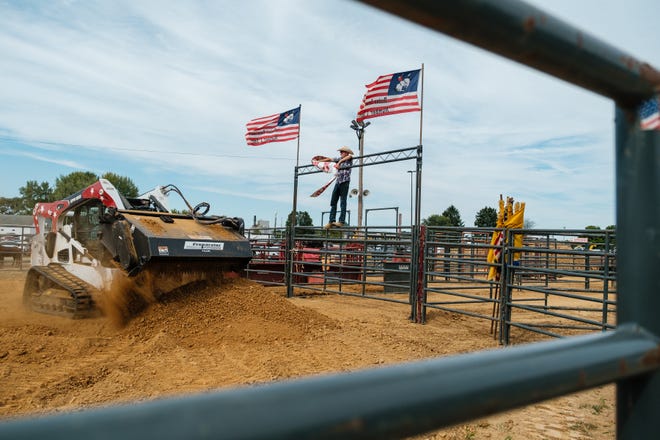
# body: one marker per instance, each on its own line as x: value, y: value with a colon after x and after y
x: 412, y: 398
x: 389, y: 402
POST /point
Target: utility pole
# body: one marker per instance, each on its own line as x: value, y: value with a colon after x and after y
x: 359, y: 131
x: 411, y: 172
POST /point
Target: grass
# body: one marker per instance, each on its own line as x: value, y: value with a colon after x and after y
x: 597, y: 408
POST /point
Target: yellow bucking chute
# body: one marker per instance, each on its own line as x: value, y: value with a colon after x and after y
x: 509, y: 216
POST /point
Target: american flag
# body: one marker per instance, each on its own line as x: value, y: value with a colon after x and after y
x: 649, y: 115
x: 279, y: 127
x: 389, y: 95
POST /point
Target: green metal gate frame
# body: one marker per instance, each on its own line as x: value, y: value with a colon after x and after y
x: 410, y: 399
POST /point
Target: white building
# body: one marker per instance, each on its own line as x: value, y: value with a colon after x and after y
x: 16, y: 225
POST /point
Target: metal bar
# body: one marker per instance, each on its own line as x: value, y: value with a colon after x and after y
x: 638, y: 246
x: 369, y: 159
x: 366, y: 214
x: 290, y: 232
x: 523, y: 33
x: 396, y: 401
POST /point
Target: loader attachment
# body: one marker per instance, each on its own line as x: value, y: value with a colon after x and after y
x: 175, y: 249
x: 140, y: 238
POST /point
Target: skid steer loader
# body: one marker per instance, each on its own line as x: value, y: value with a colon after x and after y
x: 87, y: 242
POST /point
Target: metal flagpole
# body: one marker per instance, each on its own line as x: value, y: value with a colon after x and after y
x: 294, y: 213
x: 299, y: 125
x: 417, y: 297
x: 421, y: 105
x: 293, y: 218
x: 418, y: 195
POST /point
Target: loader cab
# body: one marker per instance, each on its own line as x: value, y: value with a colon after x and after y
x: 86, y: 225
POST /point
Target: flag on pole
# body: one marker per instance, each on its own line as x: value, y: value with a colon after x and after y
x: 390, y: 95
x: 279, y: 127
x: 649, y: 115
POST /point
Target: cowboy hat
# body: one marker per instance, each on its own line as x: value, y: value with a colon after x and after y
x: 346, y: 150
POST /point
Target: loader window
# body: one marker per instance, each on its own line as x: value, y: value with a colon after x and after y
x: 67, y: 219
x: 47, y: 226
x: 87, y: 223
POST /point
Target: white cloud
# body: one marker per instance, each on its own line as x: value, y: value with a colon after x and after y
x: 161, y: 91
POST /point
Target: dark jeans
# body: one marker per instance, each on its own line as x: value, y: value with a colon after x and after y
x: 339, y: 194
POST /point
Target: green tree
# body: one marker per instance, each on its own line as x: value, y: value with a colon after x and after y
x: 33, y: 193
x: 72, y: 183
x: 11, y: 205
x: 436, y: 220
x: 302, y: 219
x: 594, y: 238
x: 486, y: 217
x: 124, y: 185
x: 612, y: 237
x: 454, y: 216
x: 599, y: 239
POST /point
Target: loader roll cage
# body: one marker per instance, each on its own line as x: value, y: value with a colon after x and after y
x: 410, y: 399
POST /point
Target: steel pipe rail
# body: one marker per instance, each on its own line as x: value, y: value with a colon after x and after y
x: 389, y: 402
x: 370, y: 159
x: 523, y: 33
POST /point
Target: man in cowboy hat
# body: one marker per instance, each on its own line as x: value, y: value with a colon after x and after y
x: 343, y: 165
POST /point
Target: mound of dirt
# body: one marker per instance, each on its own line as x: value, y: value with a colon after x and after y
x: 202, y: 338
x: 237, y: 311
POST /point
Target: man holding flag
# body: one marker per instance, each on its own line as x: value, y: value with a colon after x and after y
x: 343, y: 165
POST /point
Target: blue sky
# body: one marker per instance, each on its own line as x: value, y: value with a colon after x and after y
x: 160, y: 91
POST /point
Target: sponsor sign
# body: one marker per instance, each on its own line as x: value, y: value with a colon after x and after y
x: 204, y: 246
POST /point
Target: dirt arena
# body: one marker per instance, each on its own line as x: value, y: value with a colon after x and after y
x: 242, y: 333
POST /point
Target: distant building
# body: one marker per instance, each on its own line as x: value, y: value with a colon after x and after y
x: 21, y: 225
x: 261, y: 224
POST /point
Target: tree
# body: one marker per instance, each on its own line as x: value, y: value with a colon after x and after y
x: 594, y: 238
x: 302, y: 219
x: 486, y: 217
x: 124, y: 185
x: 436, y: 220
x: 454, y: 216
x: 65, y: 185
x: 33, y: 193
x: 529, y: 224
x: 612, y: 237
x: 599, y: 239
x: 11, y: 205
x: 72, y: 183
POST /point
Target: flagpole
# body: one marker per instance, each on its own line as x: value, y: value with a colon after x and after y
x: 293, y: 217
x: 294, y: 213
x: 299, y: 125
x: 418, y: 167
x: 416, y: 289
x: 421, y: 106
